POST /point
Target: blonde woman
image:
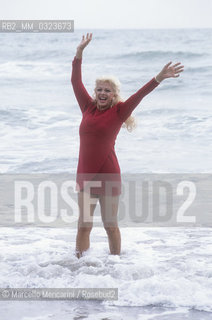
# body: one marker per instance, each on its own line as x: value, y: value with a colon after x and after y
x: 98, y: 172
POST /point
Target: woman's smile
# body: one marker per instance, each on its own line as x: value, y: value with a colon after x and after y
x: 104, y: 94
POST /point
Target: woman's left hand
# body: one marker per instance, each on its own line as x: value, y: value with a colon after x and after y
x: 170, y: 71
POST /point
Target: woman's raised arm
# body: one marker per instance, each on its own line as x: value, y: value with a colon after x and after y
x: 126, y: 108
x: 81, y: 93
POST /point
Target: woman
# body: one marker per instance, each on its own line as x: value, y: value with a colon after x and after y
x: 102, y: 119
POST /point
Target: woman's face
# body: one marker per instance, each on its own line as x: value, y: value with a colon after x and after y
x: 104, y: 95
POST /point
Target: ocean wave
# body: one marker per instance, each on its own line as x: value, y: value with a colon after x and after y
x: 160, y: 54
x: 14, y: 117
x: 202, y: 69
x: 158, y: 272
x: 32, y: 69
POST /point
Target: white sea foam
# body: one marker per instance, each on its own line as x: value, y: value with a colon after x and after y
x: 158, y: 266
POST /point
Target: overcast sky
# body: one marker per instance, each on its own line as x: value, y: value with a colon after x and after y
x: 114, y: 13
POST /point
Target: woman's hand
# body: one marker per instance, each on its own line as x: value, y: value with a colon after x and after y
x: 84, y: 42
x: 169, y: 71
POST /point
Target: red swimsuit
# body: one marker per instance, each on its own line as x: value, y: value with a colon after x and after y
x: 98, y: 132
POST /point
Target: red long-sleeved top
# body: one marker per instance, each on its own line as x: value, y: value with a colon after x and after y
x: 98, y: 130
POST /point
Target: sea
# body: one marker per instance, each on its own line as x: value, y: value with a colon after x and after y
x: 163, y: 272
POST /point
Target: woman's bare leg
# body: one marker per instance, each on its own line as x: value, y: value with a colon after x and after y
x: 109, y: 211
x: 85, y: 222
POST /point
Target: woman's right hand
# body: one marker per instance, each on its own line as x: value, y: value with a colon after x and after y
x: 85, y: 41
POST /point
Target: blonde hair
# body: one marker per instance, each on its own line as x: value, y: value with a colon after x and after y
x: 130, y: 123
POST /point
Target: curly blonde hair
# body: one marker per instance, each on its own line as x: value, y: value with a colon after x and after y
x: 130, y: 123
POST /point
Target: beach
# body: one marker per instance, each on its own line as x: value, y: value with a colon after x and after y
x: 164, y: 270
